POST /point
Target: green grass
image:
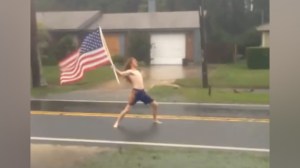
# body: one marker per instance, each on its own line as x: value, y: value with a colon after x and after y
x: 92, y: 78
x: 238, y: 75
x: 142, y: 157
x: 231, y: 76
x: 200, y: 95
x: 223, y: 78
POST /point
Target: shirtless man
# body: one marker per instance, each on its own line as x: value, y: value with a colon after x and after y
x: 135, y: 78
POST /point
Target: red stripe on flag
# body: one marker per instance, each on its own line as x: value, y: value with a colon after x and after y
x: 87, y: 64
x: 80, y: 76
x: 90, y: 64
x: 69, y: 58
x: 70, y: 63
x: 83, y: 63
x: 71, y: 66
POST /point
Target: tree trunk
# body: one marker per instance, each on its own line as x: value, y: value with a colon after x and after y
x: 36, y: 64
x: 235, y: 53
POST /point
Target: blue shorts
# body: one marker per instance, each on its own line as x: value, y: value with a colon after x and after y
x: 139, y: 95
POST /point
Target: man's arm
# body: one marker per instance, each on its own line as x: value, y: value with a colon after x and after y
x: 122, y: 73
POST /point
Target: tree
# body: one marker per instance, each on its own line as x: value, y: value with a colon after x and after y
x: 36, y: 65
x: 228, y: 21
x: 262, y: 9
x: 234, y: 22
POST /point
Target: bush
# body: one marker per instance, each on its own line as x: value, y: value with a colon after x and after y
x: 44, y: 41
x: 250, y: 38
x: 139, y: 46
x: 118, y: 59
x: 49, y: 60
x: 257, y: 57
x: 65, y: 46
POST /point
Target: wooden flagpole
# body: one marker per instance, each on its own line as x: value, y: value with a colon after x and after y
x: 106, y: 48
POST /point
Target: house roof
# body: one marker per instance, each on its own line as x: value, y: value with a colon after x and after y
x: 71, y: 20
x: 67, y: 20
x: 264, y: 27
x: 151, y: 20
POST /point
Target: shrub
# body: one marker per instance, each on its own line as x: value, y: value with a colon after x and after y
x: 118, y: 59
x: 139, y: 46
x: 257, y: 57
x: 65, y: 46
x: 49, y: 60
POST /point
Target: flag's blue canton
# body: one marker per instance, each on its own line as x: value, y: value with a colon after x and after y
x: 91, y: 42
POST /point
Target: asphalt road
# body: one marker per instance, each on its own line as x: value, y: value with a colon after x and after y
x: 96, y: 129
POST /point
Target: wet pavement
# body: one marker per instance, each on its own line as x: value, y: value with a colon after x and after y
x: 79, y: 130
x: 186, y: 109
x: 62, y: 141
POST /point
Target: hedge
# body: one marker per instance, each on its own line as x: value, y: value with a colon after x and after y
x: 139, y: 46
x: 258, y: 57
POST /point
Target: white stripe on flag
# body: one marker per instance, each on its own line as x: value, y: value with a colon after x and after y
x: 79, y: 70
x: 69, y: 58
x: 72, y: 65
x: 81, y: 64
x: 88, y: 66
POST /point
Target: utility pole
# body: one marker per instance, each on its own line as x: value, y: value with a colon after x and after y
x: 202, y: 27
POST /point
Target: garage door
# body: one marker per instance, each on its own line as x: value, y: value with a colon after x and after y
x: 168, y: 49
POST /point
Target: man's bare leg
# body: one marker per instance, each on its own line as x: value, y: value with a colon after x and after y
x: 122, y: 115
x: 154, y: 106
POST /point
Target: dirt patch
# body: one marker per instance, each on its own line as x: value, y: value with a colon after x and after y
x: 57, y: 156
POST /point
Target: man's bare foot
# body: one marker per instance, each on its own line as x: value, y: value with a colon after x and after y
x: 157, y: 122
x: 116, y: 125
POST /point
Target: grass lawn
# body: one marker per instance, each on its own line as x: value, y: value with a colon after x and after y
x: 231, y: 76
x: 238, y: 75
x: 92, y: 78
x: 142, y: 157
x: 200, y: 95
x: 223, y: 78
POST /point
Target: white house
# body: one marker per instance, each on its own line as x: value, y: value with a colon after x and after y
x: 265, y: 36
x: 174, y: 35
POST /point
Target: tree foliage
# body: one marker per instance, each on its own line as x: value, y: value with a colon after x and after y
x: 228, y: 21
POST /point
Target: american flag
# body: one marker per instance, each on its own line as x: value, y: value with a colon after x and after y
x: 91, y: 54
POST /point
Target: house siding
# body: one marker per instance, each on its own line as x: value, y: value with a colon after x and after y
x: 189, y: 46
x: 265, y: 39
x: 197, y: 47
x: 113, y: 43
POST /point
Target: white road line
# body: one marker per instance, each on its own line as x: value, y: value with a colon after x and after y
x: 166, y: 103
x: 148, y: 144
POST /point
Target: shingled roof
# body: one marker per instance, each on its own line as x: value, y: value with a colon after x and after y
x: 264, y: 27
x: 152, y: 20
x: 72, y: 20
x: 67, y: 20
